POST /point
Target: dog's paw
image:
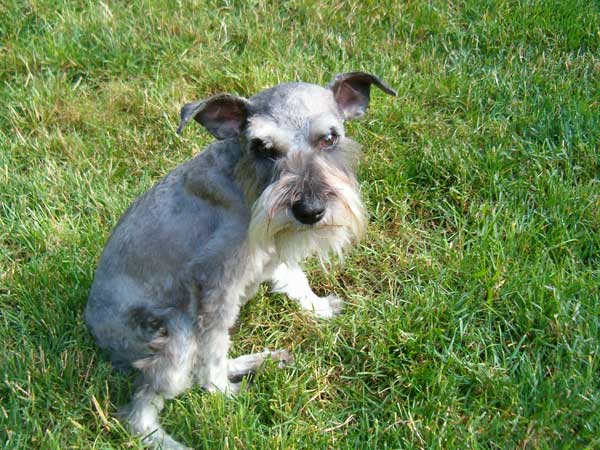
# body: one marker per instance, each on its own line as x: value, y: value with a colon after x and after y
x: 326, y: 307
x: 233, y: 389
x: 283, y: 358
x: 229, y: 389
x: 168, y: 443
x: 336, y: 304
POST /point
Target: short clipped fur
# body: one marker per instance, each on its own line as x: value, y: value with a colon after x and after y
x: 277, y: 186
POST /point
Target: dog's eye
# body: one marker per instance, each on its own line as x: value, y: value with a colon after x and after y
x: 262, y: 150
x: 328, y: 141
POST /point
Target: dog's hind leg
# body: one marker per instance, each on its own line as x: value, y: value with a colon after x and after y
x: 291, y: 280
x: 142, y: 419
x: 248, y: 364
x: 165, y: 372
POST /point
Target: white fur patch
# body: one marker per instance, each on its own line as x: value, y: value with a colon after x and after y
x: 292, y: 281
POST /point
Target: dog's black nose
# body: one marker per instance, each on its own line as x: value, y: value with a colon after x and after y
x: 308, y: 210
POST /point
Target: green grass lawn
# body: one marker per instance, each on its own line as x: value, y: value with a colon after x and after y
x: 473, y: 315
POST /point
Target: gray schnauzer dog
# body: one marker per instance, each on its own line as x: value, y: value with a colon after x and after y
x: 277, y: 186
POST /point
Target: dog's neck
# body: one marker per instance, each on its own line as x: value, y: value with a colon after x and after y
x: 229, y: 159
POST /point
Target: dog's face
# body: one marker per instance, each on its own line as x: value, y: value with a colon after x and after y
x: 298, y: 167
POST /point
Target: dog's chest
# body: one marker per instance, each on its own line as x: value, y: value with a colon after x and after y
x: 259, y: 267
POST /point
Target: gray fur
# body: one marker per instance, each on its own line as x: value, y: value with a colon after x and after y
x: 189, y: 252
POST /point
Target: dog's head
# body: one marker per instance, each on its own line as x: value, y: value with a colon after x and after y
x: 298, y: 166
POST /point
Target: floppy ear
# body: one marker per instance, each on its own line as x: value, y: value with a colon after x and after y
x: 223, y: 115
x: 352, y: 92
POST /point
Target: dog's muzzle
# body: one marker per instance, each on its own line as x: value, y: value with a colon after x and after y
x: 308, y: 210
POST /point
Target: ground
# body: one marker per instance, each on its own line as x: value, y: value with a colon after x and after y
x: 474, y: 300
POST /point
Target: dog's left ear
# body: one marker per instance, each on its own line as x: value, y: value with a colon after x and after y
x: 352, y: 92
x: 223, y: 115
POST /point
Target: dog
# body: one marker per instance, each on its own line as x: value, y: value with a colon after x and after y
x: 277, y: 186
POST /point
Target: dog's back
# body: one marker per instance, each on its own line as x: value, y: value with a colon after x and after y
x: 181, y: 224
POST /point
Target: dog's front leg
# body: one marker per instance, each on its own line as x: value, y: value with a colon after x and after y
x: 216, y: 314
x: 214, y: 367
x: 291, y: 280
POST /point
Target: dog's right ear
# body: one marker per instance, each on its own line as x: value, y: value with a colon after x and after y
x: 223, y: 115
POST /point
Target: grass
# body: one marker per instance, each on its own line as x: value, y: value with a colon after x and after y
x: 473, y: 317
